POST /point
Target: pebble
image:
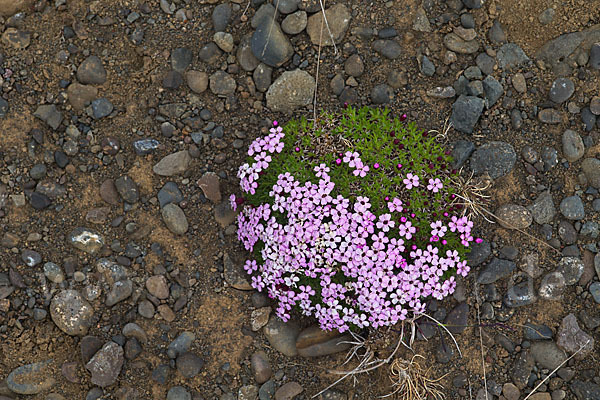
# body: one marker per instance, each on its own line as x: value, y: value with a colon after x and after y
x: 510, y: 391
x: 127, y: 189
x: 495, y: 158
x: 537, y: 332
x: 550, y: 116
x: 446, y: 92
x: 178, y: 393
x: 591, y: 169
x: 546, y: 16
x: 595, y: 105
x: 119, y: 291
x: 31, y: 378
x: 547, y: 354
x: 567, y: 232
x: 495, y: 270
x: 3, y: 108
x: 561, y: 90
x: 571, y: 338
x: 209, y: 53
x: 427, y: 67
x: 71, y: 313
x: 595, y: 56
x: 295, y: 23
x: 175, y: 219
x: 221, y: 16
x: 282, y: 336
x: 87, y: 240
x: 510, y: 55
x: 262, y: 77
x: 91, y: 71
x: 270, y: 45
x: 485, y: 63
x: 492, y: 89
x: 259, y: 318
x: 158, y: 287
x: 586, y: 390
x: 173, y: 164
x: 133, y: 330
x: 458, y: 45
x: 519, y: 82
x: 573, y: 148
x: 512, y: 216
x: 288, y: 391
x: 234, y: 275
x: 457, y: 319
x: 169, y: 193
x: 53, y: 272
x: 466, y: 111
x: 387, y: 48
x: 421, y: 21
x: 224, y: 41
x: 261, y: 367
x: 210, y: 186
x: 181, y: 58
x: 181, y: 344
x: 248, y: 392
x: 224, y: 214
x: 572, y: 208
x: 337, y: 343
x: 521, y: 369
x: 197, y: 81
x: 382, y: 94
x: 101, y: 108
x: 496, y: 33
x: 588, y: 118
x: 354, y: 66
x: 479, y: 253
x: 172, y: 80
x: 595, y: 291
x: 222, y: 84
x: 189, y: 364
x: 338, y: 18
x: 292, y: 90
x: 50, y: 115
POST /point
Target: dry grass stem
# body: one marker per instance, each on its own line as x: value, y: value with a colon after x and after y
x: 412, y: 382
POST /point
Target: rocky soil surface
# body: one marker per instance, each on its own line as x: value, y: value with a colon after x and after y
x: 123, y: 122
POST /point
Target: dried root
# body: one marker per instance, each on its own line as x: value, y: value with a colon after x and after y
x: 412, y: 382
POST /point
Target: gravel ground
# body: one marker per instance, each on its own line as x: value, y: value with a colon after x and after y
x: 122, y: 124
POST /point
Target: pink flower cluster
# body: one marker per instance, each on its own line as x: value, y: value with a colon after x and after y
x: 334, y: 258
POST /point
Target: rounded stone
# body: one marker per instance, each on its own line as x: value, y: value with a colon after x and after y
x: 30, y: 379
x: 573, y: 148
x: 175, y: 219
x: 572, y: 208
x: 512, y: 216
x: 561, y: 90
x: 71, y: 313
x: 293, y: 89
x: 189, y: 364
x: 91, y: 71
x: 178, y: 393
x: 294, y: 23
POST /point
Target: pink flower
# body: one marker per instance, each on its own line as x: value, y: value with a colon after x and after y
x: 351, y: 158
x: 435, y: 185
x: 406, y: 229
x: 321, y: 170
x: 385, y: 222
x: 438, y: 229
x: 395, y: 205
x: 411, y: 181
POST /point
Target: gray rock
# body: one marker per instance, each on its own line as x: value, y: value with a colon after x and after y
x: 421, y: 21
x: 513, y: 216
x: 175, y: 219
x: 550, y: 116
x: 439, y: 92
x: 287, y: 6
x: 172, y: 80
x: 457, y: 318
x: 332, y: 346
x: 31, y: 258
x: 479, y: 253
x: 546, y: 16
x: 572, y: 208
x: 197, y: 81
x: 466, y: 111
x: 234, y: 275
x: 50, y: 115
x: 427, y: 67
x: 261, y: 367
x: 567, y: 232
x: 127, y: 189
x: 295, y: 23
x: 493, y: 90
x: 101, y: 108
x: 210, y: 53
x: 591, y: 229
x: 181, y: 344
x: 85, y: 239
x: 169, y: 193
x: 293, y: 89
x: 53, y: 272
x: 71, y: 313
x: 595, y: 56
x: 133, y: 330
x: 105, y: 365
x: 30, y: 379
x: 561, y: 90
x: 270, y: 45
x: 519, y: 295
x: 262, y: 76
x: 537, y: 332
x: 382, y: 94
x: 224, y: 41
x: 560, y: 48
x: 496, y: 33
x: 178, y: 393
x: 571, y: 338
x: 510, y: 56
x: 473, y: 3
x: 588, y: 118
x: 244, y: 55
x: 338, y: 19
x: 282, y: 336
x: 495, y: 270
x: 495, y: 158
x: 119, y: 291
x: 586, y: 390
x: 173, y: 164
x: 91, y: 71
x: 573, y: 147
x: 547, y: 354
x: 571, y: 268
x: 461, y: 151
x: 521, y: 369
x: 591, y: 169
x: 221, y: 16
x: 387, y: 48
x: 189, y: 365
x: 265, y: 11
x: 354, y: 66
x: 485, y: 63
x: 222, y: 84
x: 181, y: 58
x: 288, y: 391
x: 247, y: 392
x: 457, y: 44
